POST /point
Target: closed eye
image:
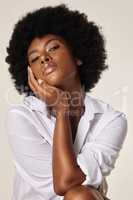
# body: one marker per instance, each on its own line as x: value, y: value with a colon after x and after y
x: 53, y: 48
x: 34, y: 59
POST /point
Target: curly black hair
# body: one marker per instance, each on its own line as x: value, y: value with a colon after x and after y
x: 84, y: 37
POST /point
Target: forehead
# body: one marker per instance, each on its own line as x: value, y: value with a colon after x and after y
x: 45, y: 39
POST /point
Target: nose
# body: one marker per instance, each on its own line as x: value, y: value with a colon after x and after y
x: 45, y: 59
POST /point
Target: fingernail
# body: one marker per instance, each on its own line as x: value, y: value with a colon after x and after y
x: 40, y: 81
x: 29, y: 68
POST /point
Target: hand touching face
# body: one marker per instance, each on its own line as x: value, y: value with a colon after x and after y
x: 52, y: 49
x: 53, y: 96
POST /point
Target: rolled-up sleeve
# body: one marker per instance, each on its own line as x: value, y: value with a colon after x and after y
x: 31, y: 152
x: 98, y: 156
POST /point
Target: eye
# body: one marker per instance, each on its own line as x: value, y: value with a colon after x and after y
x: 54, y: 47
x: 33, y: 60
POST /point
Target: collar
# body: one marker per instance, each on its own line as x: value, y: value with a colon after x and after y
x: 35, y: 103
x: 92, y: 105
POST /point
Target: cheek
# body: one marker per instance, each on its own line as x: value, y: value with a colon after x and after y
x: 67, y: 71
x: 66, y: 62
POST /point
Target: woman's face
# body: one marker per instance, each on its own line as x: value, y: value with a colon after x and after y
x: 52, y: 48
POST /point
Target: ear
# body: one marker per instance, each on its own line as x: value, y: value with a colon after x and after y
x: 78, y: 61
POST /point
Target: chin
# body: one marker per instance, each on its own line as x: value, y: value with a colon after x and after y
x: 58, y: 80
x: 54, y: 80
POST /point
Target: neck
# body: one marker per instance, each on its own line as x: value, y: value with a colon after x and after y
x: 76, y: 93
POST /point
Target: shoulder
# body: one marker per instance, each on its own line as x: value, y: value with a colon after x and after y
x: 20, y: 109
x: 25, y: 119
x: 29, y: 106
x: 110, y: 125
x: 107, y: 113
x: 20, y: 114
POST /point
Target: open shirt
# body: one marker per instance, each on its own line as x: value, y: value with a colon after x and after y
x: 100, y: 135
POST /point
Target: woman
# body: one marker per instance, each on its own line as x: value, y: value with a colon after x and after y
x: 64, y: 142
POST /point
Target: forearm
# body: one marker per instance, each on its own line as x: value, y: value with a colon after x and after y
x: 66, y: 173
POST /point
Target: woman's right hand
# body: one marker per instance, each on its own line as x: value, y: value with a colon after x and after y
x: 54, y: 97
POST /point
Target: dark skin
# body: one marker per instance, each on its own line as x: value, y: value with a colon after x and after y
x: 62, y: 92
x: 57, y: 50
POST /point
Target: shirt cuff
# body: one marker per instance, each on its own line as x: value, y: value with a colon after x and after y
x: 91, y: 169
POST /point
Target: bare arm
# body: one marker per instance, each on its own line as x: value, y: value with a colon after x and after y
x: 66, y: 172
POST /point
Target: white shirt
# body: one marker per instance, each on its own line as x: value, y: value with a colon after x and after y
x: 100, y: 135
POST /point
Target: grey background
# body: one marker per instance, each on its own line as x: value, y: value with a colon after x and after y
x: 116, y: 20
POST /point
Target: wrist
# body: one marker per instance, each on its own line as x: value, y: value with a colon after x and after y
x: 62, y: 112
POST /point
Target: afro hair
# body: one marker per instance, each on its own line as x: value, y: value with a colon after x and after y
x: 84, y: 37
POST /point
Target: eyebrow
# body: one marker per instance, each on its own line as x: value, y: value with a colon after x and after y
x: 33, y: 51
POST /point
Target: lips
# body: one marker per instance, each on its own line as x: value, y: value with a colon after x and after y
x: 50, y: 67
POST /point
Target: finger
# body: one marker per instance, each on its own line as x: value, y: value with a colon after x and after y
x: 44, y: 89
x: 40, y: 81
x: 31, y: 85
x: 35, y: 86
x: 33, y: 81
x: 43, y: 85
